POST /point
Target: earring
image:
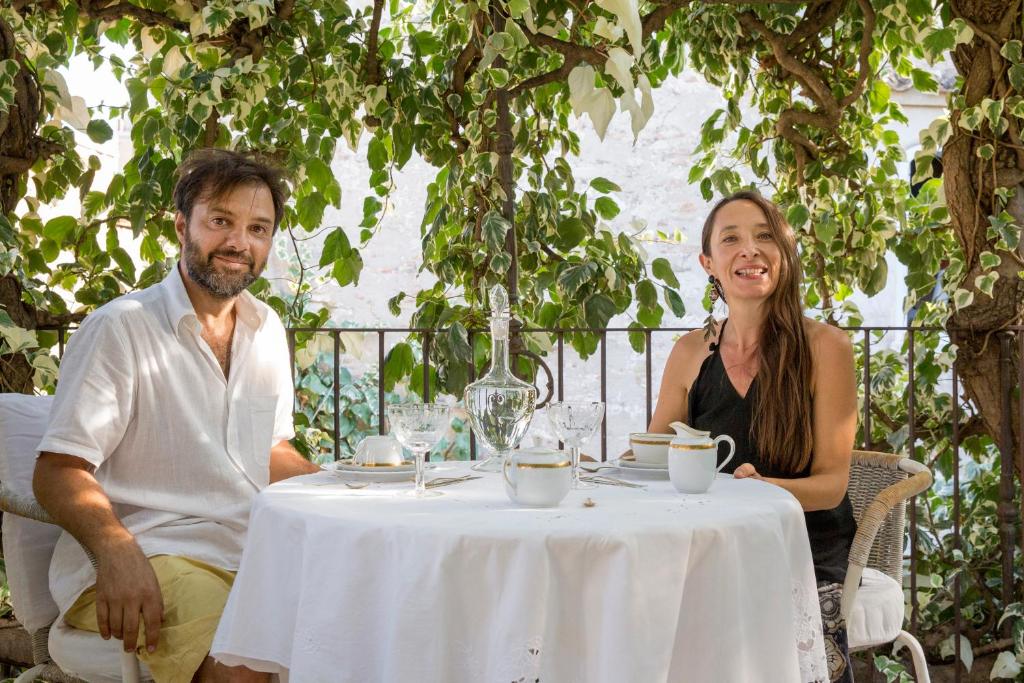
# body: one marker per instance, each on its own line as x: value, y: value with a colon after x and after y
x: 713, y: 294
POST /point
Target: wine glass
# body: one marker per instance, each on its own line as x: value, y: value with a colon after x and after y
x: 419, y: 426
x: 575, y: 423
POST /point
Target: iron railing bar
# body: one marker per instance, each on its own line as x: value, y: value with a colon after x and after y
x: 336, y: 390
x: 472, y: 378
x: 604, y: 396
x: 426, y: 367
x: 1020, y: 442
x: 867, y: 390
x: 561, y: 374
x: 574, y: 330
x: 955, y: 416
x: 290, y: 334
x: 1007, y: 511
x: 912, y: 440
x: 647, y: 371
x: 381, y: 416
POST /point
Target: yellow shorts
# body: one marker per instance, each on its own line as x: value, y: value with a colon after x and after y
x: 194, y: 594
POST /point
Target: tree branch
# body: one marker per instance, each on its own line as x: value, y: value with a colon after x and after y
x: 866, y: 44
x: 372, y: 66
x: 98, y: 9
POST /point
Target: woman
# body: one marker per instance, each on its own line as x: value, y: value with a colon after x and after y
x: 780, y: 384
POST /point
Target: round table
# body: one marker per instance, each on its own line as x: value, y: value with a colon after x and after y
x: 646, y: 585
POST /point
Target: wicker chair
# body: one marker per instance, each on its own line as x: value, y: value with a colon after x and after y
x: 28, y: 547
x: 873, y: 602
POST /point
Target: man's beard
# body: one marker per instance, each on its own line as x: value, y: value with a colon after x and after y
x: 222, y: 285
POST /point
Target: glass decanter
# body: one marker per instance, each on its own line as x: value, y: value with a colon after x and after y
x: 500, y: 405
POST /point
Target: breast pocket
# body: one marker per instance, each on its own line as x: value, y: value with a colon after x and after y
x: 262, y: 411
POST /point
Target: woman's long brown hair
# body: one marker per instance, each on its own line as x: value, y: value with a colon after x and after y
x: 782, y: 408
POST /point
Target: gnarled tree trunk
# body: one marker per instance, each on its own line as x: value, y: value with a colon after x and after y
x: 970, y: 182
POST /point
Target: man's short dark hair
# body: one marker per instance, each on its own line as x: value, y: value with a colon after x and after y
x: 211, y: 173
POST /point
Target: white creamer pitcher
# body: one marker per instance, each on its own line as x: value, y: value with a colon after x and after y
x: 693, y: 458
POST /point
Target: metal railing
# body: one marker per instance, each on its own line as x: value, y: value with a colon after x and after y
x: 1009, y: 516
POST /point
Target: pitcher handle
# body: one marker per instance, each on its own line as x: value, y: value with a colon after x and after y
x: 511, y: 481
x: 732, y: 450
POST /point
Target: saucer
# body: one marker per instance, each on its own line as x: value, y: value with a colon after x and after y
x: 629, y: 463
x: 347, y: 468
x: 350, y: 465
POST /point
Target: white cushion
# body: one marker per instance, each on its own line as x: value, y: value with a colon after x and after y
x: 876, y: 617
x: 28, y: 545
x: 85, y: 655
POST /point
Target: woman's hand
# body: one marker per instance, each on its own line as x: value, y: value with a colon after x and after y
x: 746, y: 470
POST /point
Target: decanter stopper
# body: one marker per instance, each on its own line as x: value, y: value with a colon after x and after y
x: 499, y: 311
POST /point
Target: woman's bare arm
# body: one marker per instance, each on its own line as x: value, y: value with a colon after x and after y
x: 834, y: 424
x: 680, y: 370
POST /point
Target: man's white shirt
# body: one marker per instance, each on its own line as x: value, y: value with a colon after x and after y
x: 180, y: 450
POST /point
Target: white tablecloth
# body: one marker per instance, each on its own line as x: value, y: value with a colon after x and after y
x: 648, y: 585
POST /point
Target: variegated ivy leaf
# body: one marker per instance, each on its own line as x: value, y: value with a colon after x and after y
x: 628, y: 14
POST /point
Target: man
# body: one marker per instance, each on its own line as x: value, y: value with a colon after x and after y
x: 173, y: 411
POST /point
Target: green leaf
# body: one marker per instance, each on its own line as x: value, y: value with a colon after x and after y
x: 598, y: 310
x: 985, y: 283
x: 879, y: 96
x: 501, y: 262
x: 346, y: 270
x: 319, y: 173
x: 336, y: 246
x: 962, y: 298
x: 990, y: 260
x: 924, y: 81
x: 99, y: 131
x: 637, y: 340
x: 397, y: 365
x: 1011, y: 49
x: 455, y: 344
x: 675, y: 303
x: 650, y: 317
x: 1016, y: 74
x: 939, y: 41
x: 371, y: 207
x: 647, y: 294
x: 57, y: 228
x: 569, y: 233
x: 604, y: 185
x: 18, y: 339
x: 876, y: 280
x: 993, y: 110
x: 494, y: 229
x: 376, y: 154
x: 394, y: 304
x: 663, y: 271
x: 574, y: 276
x: 606, y: 208
x: 797, y: 215
x: 124, y: 262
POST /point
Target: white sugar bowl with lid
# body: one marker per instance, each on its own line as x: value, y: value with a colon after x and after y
x: 537, y: 477
x: 693, y: 458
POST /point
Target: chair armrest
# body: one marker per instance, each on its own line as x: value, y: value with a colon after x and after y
x: 871, y: 521
x: 23, y: 506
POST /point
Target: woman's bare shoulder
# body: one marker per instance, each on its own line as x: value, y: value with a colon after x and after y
x: 827, y: 341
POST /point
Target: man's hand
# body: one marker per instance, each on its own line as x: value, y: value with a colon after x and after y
x: 126, y: 587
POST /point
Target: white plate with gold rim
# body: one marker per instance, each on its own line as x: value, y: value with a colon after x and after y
x: 382, y: 473
x: 627, y: 462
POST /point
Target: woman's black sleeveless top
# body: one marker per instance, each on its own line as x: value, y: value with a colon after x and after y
x: 716, y: 406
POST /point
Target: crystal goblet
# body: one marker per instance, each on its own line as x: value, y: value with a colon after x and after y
x: 575, y: 423
x: 419, y: 426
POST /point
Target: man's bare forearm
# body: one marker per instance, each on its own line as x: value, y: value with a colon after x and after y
x: 67, y: 490
x: 287, y: 462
